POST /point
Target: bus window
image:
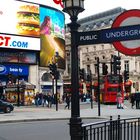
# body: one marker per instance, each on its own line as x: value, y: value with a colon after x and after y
x: 116, y: 89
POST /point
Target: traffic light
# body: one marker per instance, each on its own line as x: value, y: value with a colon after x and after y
x: 126, y: 75
x: 57, y: 75
x: 104, y: 69
x: 82, y: 74
x: 117, y: 64
x: 53, y: 69
x: 89, y: 78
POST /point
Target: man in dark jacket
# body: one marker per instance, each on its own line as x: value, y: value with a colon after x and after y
x: 67, y: 101
x: 137, y: 98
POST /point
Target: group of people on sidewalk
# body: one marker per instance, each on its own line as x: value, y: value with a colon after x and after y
x: 133, y: 97
x: 135, y: 100
x: 44, y: 100
x: 49, y: 99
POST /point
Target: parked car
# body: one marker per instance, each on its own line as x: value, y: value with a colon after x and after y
x: 6, y: 107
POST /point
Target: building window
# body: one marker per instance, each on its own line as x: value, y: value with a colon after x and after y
x: 111, y: 21
x: 102, y: 24
x: 95, y: 65
x: 136, y: 66
x: 95, y: 26
x: 102, y: 47
x: 69, y: 69
x: 87, y: 59
x: 126, y: 65
x: 95, y: 58
x: 46, y: 77
x: 88, y: 68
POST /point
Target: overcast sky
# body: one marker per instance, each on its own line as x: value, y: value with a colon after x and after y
x: 96, y: 6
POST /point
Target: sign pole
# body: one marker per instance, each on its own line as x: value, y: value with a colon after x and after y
x: 98, y: 72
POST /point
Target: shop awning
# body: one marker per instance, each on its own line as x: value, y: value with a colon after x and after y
x: 27, y: 85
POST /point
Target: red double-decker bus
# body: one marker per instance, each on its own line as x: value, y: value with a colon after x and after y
x: 110, y: 85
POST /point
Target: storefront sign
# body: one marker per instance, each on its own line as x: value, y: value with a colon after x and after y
x: 14, y: 70
x: 19, y: 42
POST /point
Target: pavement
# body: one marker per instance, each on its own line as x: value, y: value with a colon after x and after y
x: 33, y: 113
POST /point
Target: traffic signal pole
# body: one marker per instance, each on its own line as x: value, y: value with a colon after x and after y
x: 56, y: 99
x: 98, y: 72
x: 55, y: 74
x: 91, y: 90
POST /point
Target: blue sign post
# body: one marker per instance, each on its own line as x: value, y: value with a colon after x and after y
x: 109, y: 35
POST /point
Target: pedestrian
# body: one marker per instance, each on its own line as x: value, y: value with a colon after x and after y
x: 132, y: 100
x: 119, y: 101
x: 44, y: 100
x: 36, y: 99
x: 67, y: 101
x: 50, y: 100
x: 137, y: 98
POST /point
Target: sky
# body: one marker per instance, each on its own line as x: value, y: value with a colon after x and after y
x: 95, y: 6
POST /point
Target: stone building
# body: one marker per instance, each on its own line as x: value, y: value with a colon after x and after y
x: 88, y: 53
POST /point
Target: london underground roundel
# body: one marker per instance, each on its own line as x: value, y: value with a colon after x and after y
x: 128, y: 18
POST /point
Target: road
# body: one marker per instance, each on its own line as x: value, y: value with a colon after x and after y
x: 40, y: 130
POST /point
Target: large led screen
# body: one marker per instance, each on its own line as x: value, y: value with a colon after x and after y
x: 18, y: 57
x: 52, y: 37
x: 19, y: 25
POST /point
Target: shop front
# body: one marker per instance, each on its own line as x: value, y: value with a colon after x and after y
x: 13, y: 79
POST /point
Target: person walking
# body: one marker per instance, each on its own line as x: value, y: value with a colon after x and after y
x: 44, y: 100
x: 119, y: 101
x: 137, y: 98
x: 132, y: 99
x: 50, y: 100
x: 67, y: 101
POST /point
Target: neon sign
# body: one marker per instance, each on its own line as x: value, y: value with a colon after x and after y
x: 58, y: 2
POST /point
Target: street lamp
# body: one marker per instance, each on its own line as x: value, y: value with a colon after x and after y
x: 73, y: 8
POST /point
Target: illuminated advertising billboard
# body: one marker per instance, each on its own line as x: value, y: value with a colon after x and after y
x: 19, y: 25
x: 21, y: 57
x: 52, y: 37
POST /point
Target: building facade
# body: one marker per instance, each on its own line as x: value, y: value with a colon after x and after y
x: 88, y: 54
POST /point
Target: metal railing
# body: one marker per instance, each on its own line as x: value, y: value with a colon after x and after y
x: 119, y: 129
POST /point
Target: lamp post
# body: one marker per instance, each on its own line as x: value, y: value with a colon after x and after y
x: 73, y: 8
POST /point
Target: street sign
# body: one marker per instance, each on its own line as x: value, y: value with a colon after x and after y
x: 120, y: 34
x: 86, y: 38
x: 124, y: 34
x: 109, y: 35
x: 128, y: 18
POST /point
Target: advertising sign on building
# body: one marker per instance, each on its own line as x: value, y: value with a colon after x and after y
x: 52, y: 37
x: 20, y: 25
x: 18, y: 42
x: 14, y: 57
x: 14, y: 70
